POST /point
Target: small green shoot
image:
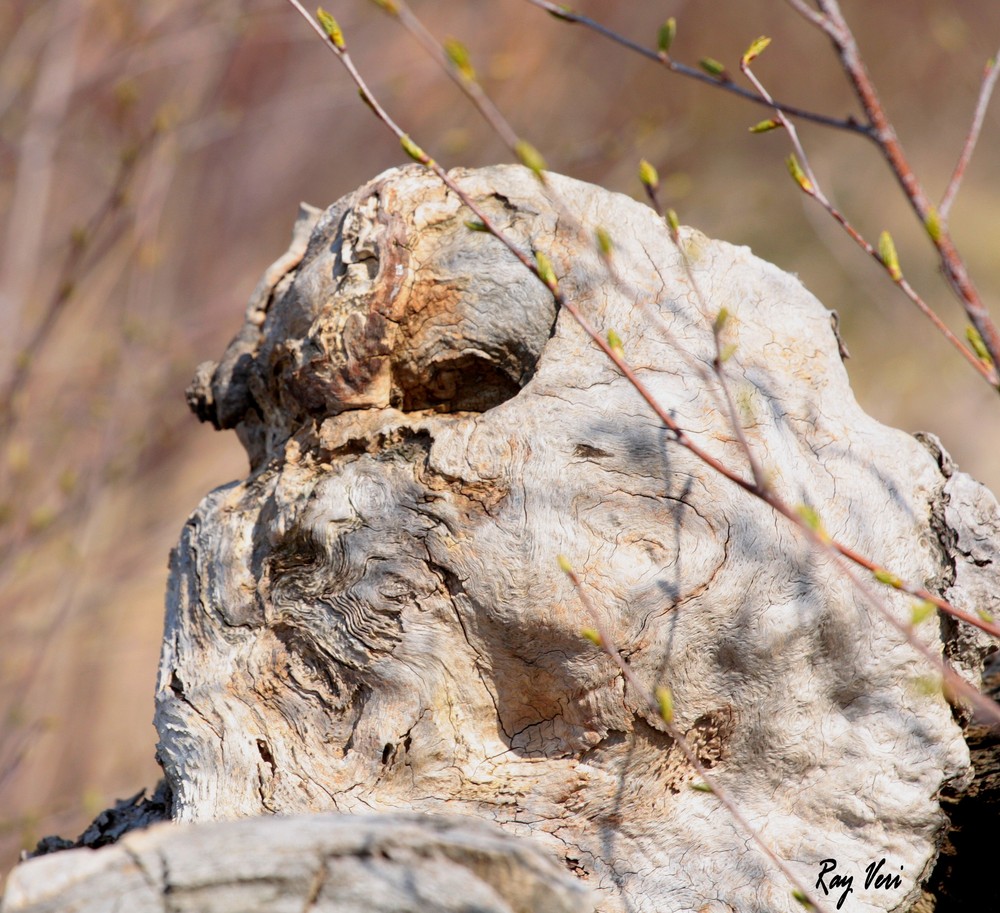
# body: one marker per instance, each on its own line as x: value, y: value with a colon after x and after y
x: 888, y: 578
x: 799, y: 175
x: 755, y: 49
x: 331, y: 27
x: 604, y: 244
x: 888, y: 255
x: 674, y: 224
x: 932, y: 222
x: 811, y: 518
x: 713, y: 67
x: 921, y: 611
x: 648, y: 175
x: 530, y: 157
x: 802, y: 899
x: 413, y: 150
x: 458, y: 54
x: 978, y: 346
x: 665, y: 703
x: 765, y: 126
x: 545, y: 271
x: 665, y: 39
x: 563, y: 12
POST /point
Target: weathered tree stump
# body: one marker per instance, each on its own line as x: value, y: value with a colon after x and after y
x: 374, y: 619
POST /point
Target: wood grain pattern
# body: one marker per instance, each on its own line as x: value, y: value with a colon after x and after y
x: 374, y: 619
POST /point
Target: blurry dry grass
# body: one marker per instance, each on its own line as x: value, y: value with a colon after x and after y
x: 225, y: 114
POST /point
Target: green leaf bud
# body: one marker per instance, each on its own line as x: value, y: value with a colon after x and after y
x: 764, y: 126
x: 545, y: 271
x: 331, y: 27
x: 668, y: 32
x: 800, y: 177
x: 648, y: 175
x: 712, y: 66
x: 458, y: 54
x: 755, y: 49
x: 888, y: 255
x: 530, y: 157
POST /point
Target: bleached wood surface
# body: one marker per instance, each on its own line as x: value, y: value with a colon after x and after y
x: 316, y: 863
x: 374, y: 619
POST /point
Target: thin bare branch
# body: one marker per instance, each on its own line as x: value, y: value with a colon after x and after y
x: 810, y: 185
x: 834, y: 25
x: 850, y: 124
x: 680, y: 435
x: 401, y: 10
x: 990, y: 73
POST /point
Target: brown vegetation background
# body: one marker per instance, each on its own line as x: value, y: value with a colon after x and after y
x: 185, y: 132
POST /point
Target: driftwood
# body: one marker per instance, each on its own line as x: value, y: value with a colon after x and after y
x: 374, y: 619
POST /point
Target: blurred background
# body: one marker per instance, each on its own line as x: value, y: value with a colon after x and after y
x: 152, y: 157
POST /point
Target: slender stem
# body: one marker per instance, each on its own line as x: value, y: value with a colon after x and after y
x: 831, y: 21
x: 469, y: 86
x: 812, y: 188
x: 990, y: 73
x: 680, y: 436
x: 850, y: 124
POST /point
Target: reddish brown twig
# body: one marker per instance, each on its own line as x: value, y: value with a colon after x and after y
x: 990, y: 72
x: 547, y: 277
x: 809, y: 184
x: 831, y: 21
x: 850, y: 124
x: 877, y: 128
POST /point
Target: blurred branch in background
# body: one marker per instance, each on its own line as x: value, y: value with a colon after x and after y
x: 151, y: 162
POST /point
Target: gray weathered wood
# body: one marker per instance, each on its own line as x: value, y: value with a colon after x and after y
x: 316, y: 863
x: 374, y: 618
